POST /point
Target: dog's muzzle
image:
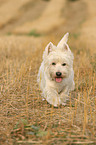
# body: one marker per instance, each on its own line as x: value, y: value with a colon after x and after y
x: 58, y: 74
x: 58, y: 77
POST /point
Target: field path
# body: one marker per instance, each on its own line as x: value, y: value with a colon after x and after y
x: 9, y: 10
x: 50, y: 19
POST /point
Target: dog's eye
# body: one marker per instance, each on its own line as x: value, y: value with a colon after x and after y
x: 63, y: 64
x: 53, y: 63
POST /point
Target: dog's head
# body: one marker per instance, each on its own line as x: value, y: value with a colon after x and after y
x: 58, y: 60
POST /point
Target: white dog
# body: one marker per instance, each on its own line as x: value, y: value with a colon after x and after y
x: 56, y: 75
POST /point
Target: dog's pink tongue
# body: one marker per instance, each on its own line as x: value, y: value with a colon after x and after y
x: 58, y: 80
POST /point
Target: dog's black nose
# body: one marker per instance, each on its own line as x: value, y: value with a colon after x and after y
x: 58, y: 74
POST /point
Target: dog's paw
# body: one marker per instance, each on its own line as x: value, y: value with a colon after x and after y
x: 53, y: 101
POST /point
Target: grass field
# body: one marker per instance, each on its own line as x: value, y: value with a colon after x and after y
x: 25, y: 118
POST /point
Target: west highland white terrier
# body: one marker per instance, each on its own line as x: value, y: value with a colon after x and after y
x: 56, y: 75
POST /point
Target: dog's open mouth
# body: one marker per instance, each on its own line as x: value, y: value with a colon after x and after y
x: 58, y: 79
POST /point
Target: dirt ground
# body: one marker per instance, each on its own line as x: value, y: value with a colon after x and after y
x: 26, y: 26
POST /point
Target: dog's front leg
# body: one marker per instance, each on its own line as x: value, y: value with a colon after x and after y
x: 52, y: 96
x: 64, y: 96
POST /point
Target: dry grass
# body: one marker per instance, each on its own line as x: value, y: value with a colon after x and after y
x: 25, y: 118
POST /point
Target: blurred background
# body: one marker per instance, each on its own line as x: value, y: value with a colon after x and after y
x: 40, y: 18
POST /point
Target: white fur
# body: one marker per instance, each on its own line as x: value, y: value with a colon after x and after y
x: 54, y: 92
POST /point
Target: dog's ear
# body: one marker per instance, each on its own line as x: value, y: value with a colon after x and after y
x: 48, y: 49
x: 63, y: 40
x: 65, y: 46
